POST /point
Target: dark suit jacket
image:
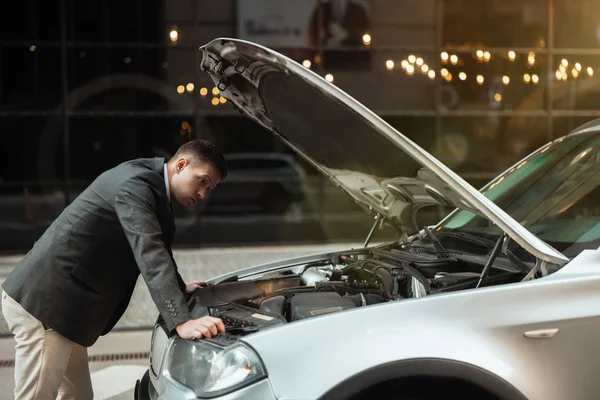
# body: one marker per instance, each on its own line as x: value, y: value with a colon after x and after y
x: 79, y: 276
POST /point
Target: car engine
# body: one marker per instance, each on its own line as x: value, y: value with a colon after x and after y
x: 342, y: 281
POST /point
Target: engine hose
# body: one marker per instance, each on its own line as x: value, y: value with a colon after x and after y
x: 387, y: 281
x: 415, y: 273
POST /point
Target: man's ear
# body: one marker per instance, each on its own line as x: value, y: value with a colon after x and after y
x: 180, y: 164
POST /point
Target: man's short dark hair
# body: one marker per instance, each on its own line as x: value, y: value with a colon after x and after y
x: 204, y: 151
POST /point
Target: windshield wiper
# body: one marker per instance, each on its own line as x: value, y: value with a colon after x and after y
x: 440, y: 250
x: 514, y: 260
x: 471, y: 238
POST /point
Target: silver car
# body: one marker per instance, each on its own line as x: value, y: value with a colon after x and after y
x: 499, y: 300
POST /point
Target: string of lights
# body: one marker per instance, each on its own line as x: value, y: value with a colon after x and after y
x: 414, y: 64
x: 216, y: 99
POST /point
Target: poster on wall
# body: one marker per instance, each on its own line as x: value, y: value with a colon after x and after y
x: 308, y: 24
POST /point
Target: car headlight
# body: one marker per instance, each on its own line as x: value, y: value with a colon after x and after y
x: 211, y: 370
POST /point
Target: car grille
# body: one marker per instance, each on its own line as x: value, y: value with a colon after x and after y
x: 160, y: 343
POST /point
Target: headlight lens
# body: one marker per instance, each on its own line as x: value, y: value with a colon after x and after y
x: 211, y: 370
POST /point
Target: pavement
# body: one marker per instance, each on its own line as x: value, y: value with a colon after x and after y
x: 113, y: 374
x: 118, y: 359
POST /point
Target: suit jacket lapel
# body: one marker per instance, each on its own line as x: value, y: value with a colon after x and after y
x: 172, y: 219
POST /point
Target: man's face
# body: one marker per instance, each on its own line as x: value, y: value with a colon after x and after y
x: 192, y: 180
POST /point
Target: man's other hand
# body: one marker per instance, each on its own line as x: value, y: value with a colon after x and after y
x: 202, y: 327
x: 191, y: 287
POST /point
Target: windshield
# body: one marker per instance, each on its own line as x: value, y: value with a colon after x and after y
x: 554, y: 193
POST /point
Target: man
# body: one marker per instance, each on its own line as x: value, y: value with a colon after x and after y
x: 77, y: 280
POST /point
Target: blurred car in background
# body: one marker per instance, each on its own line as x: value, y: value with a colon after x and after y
x: 259, y: 183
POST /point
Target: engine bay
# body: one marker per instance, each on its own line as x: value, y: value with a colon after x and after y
x: 342, y: 281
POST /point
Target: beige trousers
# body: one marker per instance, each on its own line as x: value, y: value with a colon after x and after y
x: 47, y: 365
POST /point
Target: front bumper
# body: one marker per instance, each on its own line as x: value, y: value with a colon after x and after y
x: 144, y: 390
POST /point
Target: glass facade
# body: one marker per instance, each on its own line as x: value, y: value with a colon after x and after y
x: 477, y: 83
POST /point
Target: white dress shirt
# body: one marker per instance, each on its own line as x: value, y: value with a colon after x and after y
x: 167, y: 183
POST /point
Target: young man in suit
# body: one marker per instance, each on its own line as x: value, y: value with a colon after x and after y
x: 77, y: 280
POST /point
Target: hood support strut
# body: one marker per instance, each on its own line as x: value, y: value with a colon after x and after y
x: 376, y: 225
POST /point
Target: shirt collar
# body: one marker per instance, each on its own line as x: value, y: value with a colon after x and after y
x: 167, y: 183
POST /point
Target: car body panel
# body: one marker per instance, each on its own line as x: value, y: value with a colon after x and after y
x: 481, y: 327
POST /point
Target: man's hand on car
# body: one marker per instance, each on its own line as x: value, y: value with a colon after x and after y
x: 191, y: 287
x: 202, y: 327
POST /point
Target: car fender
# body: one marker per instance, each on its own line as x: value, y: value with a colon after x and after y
x: 473, y: 327
x: 424, y: 367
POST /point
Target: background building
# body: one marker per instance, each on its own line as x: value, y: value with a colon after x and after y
x: 478, y: 83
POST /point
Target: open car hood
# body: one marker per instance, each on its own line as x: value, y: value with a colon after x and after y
x: 381, y: 169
